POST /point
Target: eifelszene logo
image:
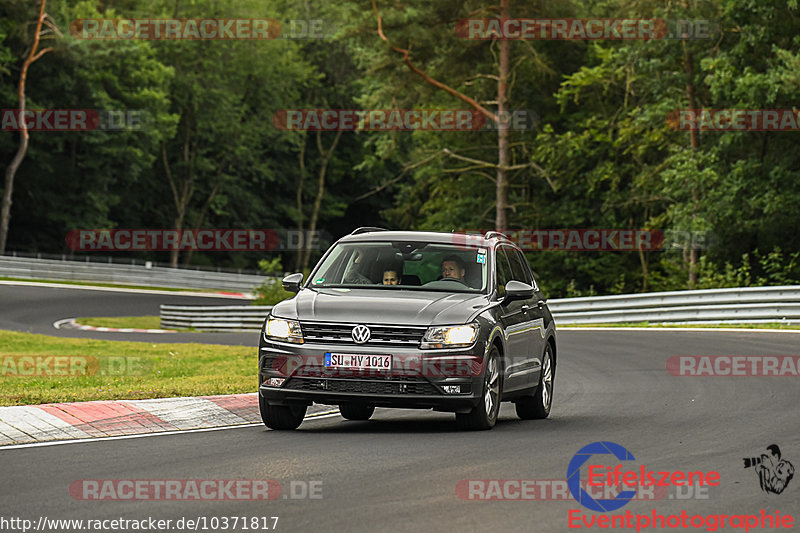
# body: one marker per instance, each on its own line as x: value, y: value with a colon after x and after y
x: 774, y: 473
x: 601, y: 475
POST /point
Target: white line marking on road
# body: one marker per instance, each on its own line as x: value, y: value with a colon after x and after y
x: 71, y: 323
x: 313, y: 416
x: 58, y: 323
x: 244, y: 296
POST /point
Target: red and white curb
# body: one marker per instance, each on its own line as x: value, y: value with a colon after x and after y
x: 106, y: 418
x: 69, y: 323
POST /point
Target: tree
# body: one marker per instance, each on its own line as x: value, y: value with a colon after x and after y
x: 11, y: 170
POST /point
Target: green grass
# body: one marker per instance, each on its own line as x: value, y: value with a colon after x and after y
x: 773, y: 325
x: 139, y: 322
x: 123, y: 370
x: 112, y: 285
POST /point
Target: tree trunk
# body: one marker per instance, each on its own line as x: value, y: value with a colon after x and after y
x: 325, y: 157
x: 11, y: 170
x: 643, y: 257
x: 501, y: 199
x: 180, y: 199
x: 298, y: 262
x: 198, y: 221
x: 694, y: 139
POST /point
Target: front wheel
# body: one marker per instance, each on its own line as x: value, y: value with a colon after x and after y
x: 538, y: 406
x: 281, y: 416
x: 484, y: 415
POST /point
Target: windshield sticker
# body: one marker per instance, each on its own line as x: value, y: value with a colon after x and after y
x: 320, y: 280
x: 481, y: 258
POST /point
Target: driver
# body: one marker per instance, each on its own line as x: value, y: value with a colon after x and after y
x: 453, y: 267
x: 354, y: 274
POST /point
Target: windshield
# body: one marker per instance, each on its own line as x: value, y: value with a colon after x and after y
x: 403, y: 266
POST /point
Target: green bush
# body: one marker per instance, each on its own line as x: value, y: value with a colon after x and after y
x: 271, y: 291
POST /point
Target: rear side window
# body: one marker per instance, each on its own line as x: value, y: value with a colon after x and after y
x: 503, y: 274
x: 519, y: 270
x: 528, y: 269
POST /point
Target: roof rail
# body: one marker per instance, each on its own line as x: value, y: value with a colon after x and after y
x: 367, y: 229
x: 497, y: 234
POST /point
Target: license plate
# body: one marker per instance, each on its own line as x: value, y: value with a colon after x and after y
x: 358, y: 361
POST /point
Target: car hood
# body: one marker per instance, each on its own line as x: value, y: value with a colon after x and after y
x: 376, y: 306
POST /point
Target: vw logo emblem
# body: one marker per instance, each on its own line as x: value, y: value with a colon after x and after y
x: 360, y: 334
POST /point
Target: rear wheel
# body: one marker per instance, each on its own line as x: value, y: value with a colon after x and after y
x: 281, y: 416
x: 356, y: 411
x: 484, y: 415
x: 538, y: 405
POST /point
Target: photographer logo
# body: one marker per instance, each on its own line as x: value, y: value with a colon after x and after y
x: 600, y: 475
x: 774, y: 473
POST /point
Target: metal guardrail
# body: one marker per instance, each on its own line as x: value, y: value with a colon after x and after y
x: 214, y: 317
x: 719, y: 306
x: 713, y: 306
x: 127, y: 274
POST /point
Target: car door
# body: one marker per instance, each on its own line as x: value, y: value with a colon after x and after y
x: 532, y: 323
x: 513, y: 317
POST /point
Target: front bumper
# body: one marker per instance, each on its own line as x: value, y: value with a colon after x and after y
x: 446, y: 380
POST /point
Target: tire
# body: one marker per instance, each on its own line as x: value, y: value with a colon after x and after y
x: 538, y: 406
x: 281, y: 416
x: 484, y: 415
x: 356, y: 411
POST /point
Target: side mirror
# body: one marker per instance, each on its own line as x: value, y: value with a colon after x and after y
x: 292, y: 282
x: 516, y: 290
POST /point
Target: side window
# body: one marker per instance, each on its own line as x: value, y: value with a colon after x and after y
x: 530, y: 271
x: 519, y: 268
x: 503, y: 271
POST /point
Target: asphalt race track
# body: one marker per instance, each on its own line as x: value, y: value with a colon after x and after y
x: 399, y: 471
x: 33, y: 309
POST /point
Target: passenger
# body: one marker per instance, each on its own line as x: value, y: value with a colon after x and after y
x: 391, y: 276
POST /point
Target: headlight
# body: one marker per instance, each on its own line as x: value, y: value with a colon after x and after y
x: 283, y: 330
x: 449, y: 336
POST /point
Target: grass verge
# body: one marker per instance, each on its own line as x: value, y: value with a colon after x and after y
x: 138, y: 322
x: 88, y: 369
x: 772, y: 325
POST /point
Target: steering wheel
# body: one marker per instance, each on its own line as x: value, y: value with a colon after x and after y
x: 455, y: 279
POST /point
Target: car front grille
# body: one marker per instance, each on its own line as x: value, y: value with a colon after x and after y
x: 380, y: 335
x: 363, y: 386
